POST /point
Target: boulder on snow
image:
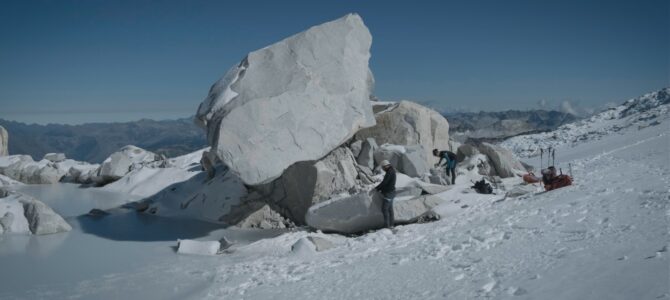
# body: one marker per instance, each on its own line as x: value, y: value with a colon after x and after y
x: 24, y: 169
x: 303, y: 246
x: 123, y: 161
x: 366, y: 156
x: 198, y: 247
x: 321, y: 244
x: 437, y: 176
x: 81, y: 172
x: 408, y: 123
x: 4, y: 140
x: 21, y: 213
x: 465, y: 151
x: 54, y: 157
x: 207, y: 163
x: 264, y: 218
x: 411, y: 210
x: 502, y: 160
x: 293, y: 101
x: 409, y: 160
x: 41, y: 218
x: 306, y: 183
x: 362, y: 211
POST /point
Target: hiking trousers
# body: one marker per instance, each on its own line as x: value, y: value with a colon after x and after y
x: 387, y: 209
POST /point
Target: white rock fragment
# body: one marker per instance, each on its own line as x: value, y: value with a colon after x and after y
x: 198, y: 247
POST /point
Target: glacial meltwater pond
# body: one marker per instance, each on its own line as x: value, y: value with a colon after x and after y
x: 59, y: 265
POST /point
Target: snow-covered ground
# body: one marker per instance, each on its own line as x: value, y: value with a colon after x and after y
x: 638, y: 113
x: 605, y: 237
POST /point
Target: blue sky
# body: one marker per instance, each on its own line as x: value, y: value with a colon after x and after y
x: 78, y: 61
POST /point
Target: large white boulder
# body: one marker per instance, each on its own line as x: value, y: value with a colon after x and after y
x: 410, y: 160
x: 362, y: 212
x: 295, y: 100
x: 502, y: 160
x: 4, y: 142
x: 198, y: 247
x: 123, y: 161
x: 408, y: 123
x: 20, y: 213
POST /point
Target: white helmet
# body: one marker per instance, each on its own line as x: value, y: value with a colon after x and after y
x: 385, y: 163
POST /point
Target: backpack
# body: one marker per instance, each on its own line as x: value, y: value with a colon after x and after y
x: 482, y: 187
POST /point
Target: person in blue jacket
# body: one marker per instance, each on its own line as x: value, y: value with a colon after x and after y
x: 449, y: 162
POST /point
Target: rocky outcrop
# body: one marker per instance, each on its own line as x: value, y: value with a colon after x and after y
x: 465, y: 151
x: 4, y: 141
x: 307, y: 183
x: 362, y: 211
x: 502, y: 160
x: 408, y: 123
x: 123, y: 161
x: 20, y: 213
x: 24, y: 169
x: 292, y: 101
x: 409, y: 160
x: 264, y: 218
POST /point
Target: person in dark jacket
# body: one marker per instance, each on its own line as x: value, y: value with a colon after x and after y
x: 387, y: 189
x: 449, y: 162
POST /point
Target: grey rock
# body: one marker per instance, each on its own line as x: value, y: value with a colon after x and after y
x: 207, y: 164
x: 264, y: 218
x: 4, y: 141
x: 321, y: 244
x: 293, y: 101
x: 41, y: 218
x: 306, y: 183
x: 362, y: 212
x: 303, y: 246
x: 409, y: 211
x: 502, y: 160
x: 366, y: 156
x: 465, y: 151
x: 408, y: 123
x: 356, y: 147
x: 123, y: 161
x: 409, y: 160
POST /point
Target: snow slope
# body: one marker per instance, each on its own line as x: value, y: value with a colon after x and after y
x: 647, y: 110
x: 605, y: 237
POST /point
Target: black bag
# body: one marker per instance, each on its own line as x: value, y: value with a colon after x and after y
x: 483, y: 187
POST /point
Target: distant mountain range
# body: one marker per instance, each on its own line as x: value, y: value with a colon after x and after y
x: 496, y: 126
x: 96, y: 141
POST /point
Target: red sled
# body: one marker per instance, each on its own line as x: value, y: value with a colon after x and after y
x: 558, y: 182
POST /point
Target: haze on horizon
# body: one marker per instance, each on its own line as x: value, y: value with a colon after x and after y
x: 75, y: 62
